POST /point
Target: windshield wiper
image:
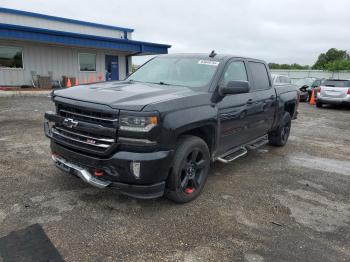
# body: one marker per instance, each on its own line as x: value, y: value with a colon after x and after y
x: 157, y: 83
x: 163, y: 83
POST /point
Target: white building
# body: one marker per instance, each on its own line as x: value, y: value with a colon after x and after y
x: 33, y: 45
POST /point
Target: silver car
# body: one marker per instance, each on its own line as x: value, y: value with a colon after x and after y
x: 333, y: 91
x: 280, y: 79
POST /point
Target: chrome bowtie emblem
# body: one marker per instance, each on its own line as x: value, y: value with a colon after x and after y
x: 70, y: 123
x: 90, y: 141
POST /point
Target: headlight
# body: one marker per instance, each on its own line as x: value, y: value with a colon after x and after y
x: 137, y: 123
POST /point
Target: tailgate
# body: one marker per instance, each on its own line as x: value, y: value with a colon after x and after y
x: 334, y: 92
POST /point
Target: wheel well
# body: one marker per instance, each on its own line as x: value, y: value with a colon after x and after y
x: 207, y: 133
x: 290, y: 108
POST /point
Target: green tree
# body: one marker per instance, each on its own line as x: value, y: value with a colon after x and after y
x: 330, y: 56
x: 287, y: 66
x: 274, y: 66
x: 338, y: 65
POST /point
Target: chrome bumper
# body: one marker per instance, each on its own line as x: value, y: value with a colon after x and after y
x: 84, y: 174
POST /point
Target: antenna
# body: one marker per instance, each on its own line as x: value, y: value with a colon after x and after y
x: 212, y: 54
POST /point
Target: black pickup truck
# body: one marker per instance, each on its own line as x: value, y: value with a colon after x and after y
x: 157, y: 132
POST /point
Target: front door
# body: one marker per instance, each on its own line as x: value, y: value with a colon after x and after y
x: 112, y: 68
x: 234, y: 110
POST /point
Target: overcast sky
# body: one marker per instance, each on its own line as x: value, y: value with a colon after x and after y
x: 282, y: 31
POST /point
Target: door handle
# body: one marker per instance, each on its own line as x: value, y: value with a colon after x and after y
x: 250, y: 101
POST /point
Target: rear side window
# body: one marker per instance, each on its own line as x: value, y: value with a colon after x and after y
x: 337, y: 83
x: 260, y: 76
x: 285, y: 80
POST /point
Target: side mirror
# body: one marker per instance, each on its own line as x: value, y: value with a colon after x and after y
x: 303, y: 88
x: 235, y: 87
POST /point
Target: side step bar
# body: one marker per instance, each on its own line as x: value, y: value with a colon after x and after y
x: 259, y: 143
x: 233, y: 156
x: 235, y: 153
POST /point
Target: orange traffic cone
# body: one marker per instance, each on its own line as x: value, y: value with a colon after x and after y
x: 84, y: 81
x: 99, y: 77
x: 69, y: 84
x: 312, y: 99
x: 76, y: 82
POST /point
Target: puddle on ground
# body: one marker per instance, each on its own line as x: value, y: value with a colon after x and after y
x: 311, y: 184
x: 252, y: 257
x: 322, y: 164
x: 314, y: 210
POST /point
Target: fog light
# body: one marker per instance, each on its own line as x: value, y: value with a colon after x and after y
x: 47, y: 128
x: 135, y: 167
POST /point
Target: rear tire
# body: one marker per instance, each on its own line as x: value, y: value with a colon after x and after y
x: 319, y: 104
x: 279, y: 136
x: 190, y: 169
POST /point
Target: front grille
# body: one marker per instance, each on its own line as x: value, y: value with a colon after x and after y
x: 90, y: 116
x: 85, y: 136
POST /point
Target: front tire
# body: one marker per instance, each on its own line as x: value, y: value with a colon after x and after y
x: 190, y: 169
x: 279, y: 137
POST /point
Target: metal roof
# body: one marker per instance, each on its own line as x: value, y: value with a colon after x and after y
x: 62, y: 19
x: 25, y: 33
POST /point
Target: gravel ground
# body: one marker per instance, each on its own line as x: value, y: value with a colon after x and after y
x: 274, y: 204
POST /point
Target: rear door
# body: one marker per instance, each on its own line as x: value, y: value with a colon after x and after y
x: 264, y: 97
x: 234, y: 110
x: 335, y: 88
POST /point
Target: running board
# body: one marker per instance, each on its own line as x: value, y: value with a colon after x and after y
x: 227, y: 158
x: 258, y: 143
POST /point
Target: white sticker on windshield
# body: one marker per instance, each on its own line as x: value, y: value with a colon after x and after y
x: 208, y: 62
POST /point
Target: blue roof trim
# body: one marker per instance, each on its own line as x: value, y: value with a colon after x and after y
x: 62, y: 19
x: 8, y: 31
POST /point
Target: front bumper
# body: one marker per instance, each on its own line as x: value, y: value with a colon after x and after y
x: 116, y: 169
x: 138, y: 191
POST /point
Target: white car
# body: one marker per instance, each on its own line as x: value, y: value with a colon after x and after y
x: 280, y: 79
x: 333, y: 91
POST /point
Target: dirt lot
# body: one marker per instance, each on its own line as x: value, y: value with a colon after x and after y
x: 275, y: 204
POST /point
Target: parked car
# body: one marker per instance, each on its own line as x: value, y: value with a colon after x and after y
x: 157, y: 132
x: 314, y: 87
x: 333, y: 92
x: 304, y: 86
x: 280, y: 79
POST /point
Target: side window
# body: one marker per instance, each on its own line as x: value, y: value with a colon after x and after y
x: 259, y: 75
x: 235, y: 71
x: 286, y: 80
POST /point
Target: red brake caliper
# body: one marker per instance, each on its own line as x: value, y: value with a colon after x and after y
x: 189, y: 190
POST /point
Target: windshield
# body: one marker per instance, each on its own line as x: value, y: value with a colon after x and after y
x: 191, y: 72
x: 337, y: 83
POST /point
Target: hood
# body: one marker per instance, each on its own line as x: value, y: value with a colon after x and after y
x: 125, y: 95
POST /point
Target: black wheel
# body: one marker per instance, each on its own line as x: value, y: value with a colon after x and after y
x: 319, y: 104
x: 190, y: 169
x: 279, y: 137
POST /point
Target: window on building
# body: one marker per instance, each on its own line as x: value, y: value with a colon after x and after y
x: 260, y: 76
x: 11, y: 57
x: 87, y: 62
